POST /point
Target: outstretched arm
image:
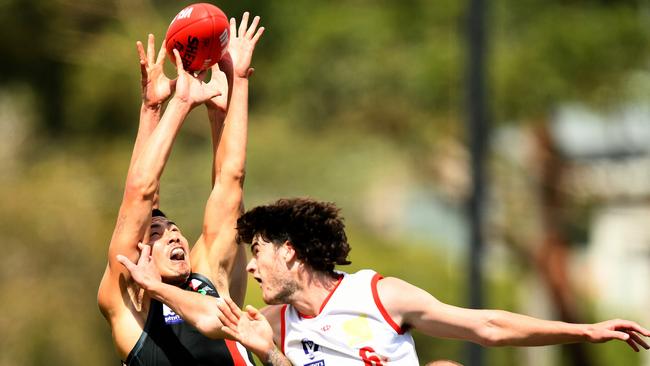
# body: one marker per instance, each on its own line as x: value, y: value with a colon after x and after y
x: 216, y: 253
x: 156, y: 89
x: 141, y: 186
x: 411, y: 306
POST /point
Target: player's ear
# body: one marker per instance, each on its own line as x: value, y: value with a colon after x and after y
x: 288, y: 251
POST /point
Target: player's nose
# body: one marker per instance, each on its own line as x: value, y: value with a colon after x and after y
x: 174, y: 238
x: 251, y: 266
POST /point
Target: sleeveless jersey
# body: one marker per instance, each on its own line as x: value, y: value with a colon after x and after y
x: 167, y: 340
x: 352, y: 328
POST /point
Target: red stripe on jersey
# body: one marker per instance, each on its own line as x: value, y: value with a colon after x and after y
x: 282, y: 326
x: 380, y: 306
x: 324, y: 302
x: 237, y: 358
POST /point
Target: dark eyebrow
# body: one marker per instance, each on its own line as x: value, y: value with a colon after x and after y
x: 155, y: 226
x: 170, y: 223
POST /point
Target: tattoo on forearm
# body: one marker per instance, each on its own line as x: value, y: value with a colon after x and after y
x: 276, y: 358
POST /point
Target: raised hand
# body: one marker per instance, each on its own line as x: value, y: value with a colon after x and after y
x: 191, y: 89
x: 242, y: 44
x: 144, y: 273
x: 623, y: 330
x: 250, y: 328
x: 221, y: 74
x: 156, y: 87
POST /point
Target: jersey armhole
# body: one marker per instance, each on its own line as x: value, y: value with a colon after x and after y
x: 153, y: 307
x: 380, y: 306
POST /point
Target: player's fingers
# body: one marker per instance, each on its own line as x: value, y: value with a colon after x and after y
x: 233, y: 307
x: 162, y: 53
x: 223, y: 313
x: 215, y: 68
x: 631, y: 343
x: 151, y: 49
x: 227, y: 316
x: 141, y: 246
x: 141, y: 53
x: 243, y: 25
x: 637, y: 328
x: 230, y: 332
x: 179, y: 62
x: 638, y: 340
x: 233, y: 27
x: 250, y: 72
x: 257, y: 35
x: 251, y: 30
x: 144, y: 75
x: 144, y: 255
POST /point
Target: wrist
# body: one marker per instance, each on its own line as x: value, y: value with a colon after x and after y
x: 151, y: 107
x: 181, y: 103
x: 215, y: 112
x: 154, y: 288
x: 270, y: 354
x: 240, y: 78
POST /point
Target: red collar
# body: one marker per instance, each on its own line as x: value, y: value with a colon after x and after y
x: 340, y: 278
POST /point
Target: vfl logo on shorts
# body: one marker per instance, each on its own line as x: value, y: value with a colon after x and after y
x: 170, y: 316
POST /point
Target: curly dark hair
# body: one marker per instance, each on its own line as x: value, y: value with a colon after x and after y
x: 314, y: 228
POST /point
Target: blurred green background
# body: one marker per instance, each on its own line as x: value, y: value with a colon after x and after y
x: 358, y: 102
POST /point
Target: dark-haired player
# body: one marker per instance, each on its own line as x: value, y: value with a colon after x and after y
x: 145, y: 331
x: 318, y: 316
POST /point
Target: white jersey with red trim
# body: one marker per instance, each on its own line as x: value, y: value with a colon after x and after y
x: 352, y: 328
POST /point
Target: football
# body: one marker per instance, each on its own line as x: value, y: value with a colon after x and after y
x: 200, y: 33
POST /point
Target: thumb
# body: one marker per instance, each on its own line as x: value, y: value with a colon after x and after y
x: 126, y: 262
x: 250, y: 72
x: 254, y: 313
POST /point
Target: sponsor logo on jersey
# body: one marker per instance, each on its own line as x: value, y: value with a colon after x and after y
x: 170, y: 316
x: 309, y: 347
x: 316, y: 363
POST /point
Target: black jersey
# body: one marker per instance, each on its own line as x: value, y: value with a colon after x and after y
x: 168, y: 340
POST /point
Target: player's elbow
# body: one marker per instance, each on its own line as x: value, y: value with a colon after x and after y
x: 491, y: 332
x: 234, y: 172
x: 141, y: 186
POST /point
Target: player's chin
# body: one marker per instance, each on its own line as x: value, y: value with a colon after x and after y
x: 178, y: 274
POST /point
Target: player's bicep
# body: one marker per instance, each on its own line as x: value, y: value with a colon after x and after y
x: 412, y: 307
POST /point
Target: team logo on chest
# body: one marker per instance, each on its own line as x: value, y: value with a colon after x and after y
x: 309, y: 347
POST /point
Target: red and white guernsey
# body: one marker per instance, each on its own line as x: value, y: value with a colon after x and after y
x: 352, y: 328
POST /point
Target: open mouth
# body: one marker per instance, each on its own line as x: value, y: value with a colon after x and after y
x: 177, y: 254
x: 259, y: 280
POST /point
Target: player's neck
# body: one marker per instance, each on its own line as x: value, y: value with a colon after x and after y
x: 316, y: 290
